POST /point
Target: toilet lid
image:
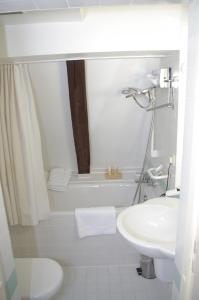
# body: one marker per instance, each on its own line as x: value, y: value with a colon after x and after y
x: 38, y: 278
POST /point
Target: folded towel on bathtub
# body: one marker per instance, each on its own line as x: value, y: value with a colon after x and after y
x: 58, y: 179
x: 95, y: 221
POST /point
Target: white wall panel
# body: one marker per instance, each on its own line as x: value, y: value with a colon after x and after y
x: 133, y: 28
x: 118, y: 126
x: 50, y: 85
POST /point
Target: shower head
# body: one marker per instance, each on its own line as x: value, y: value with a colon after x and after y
x: 139, y: 96
x: 131, y: 92
x: 128, y: 91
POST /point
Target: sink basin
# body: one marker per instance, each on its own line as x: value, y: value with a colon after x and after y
x: 151, y: 227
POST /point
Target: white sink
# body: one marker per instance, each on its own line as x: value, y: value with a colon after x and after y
x: 151, y: 227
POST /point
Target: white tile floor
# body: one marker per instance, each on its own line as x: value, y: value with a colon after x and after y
x: 110, y: 283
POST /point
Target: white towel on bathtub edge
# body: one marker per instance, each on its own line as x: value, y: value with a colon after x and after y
x: 95, y: 221
x: 58, y: 179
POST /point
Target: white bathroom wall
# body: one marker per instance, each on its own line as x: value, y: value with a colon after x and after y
x: 187, y: 257
x: 130, y: 28
x: 50, y: 85
x: 118, y: 128
x: 3, y: 50
x: 7, y: 266
x: 166, y: 123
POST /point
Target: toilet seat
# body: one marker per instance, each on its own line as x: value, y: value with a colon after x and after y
x: 38, y: 278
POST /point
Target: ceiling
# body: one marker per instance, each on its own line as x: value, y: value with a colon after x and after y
x: 35, y: 5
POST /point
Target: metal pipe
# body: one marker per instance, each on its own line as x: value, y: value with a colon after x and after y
x: 145, y: 161
x: 168, y: 104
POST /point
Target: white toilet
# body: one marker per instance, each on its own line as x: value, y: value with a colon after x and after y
x: 38, y: 278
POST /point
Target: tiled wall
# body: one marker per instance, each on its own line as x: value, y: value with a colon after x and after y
x: 7, y: 266
x: 57, y: 238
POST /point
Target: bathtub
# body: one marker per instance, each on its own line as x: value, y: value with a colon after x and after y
x: 94, y: 190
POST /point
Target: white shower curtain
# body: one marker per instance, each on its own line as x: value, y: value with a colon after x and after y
x: 21, y: 164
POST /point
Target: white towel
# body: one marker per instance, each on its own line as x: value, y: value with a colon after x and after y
x: 58, y: 179
x: 95, y: 221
